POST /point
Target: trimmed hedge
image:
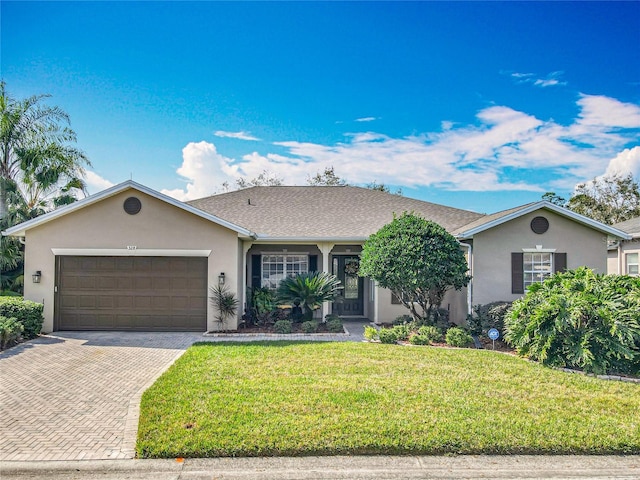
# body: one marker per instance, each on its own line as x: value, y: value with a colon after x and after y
x: 28, y: 313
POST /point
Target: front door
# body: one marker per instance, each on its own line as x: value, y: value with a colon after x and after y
x: 345, y: 267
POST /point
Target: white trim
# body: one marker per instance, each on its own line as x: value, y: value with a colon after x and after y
x: 125, y: 252
x: 565, y: 212
x: 539, y: 250
x: 302, y: 240
x: 20, y: 229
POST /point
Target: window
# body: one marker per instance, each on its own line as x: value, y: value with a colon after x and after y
x: 632, y: 263
x: 277, y: 267
x: 537, y: 267
x: 533, y: 266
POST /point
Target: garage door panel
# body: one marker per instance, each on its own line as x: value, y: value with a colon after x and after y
x: 132, y: 293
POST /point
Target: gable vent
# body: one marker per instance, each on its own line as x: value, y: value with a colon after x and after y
x: 132, y: 205
x: 539, y: 225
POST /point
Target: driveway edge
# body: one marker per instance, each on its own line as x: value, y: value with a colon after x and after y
x: 130, y: 435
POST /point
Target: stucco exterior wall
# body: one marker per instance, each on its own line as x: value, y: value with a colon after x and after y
x: 105, y: 225
x: 454, y: 301
x: 492, y: 251
x: 616, y: 262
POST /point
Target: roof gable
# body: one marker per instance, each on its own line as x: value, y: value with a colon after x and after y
x: 20, y: 229
x: 491, y: 221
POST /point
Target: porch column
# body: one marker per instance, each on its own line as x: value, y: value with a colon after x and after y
x: 243, y: 295
x: 325, y: 249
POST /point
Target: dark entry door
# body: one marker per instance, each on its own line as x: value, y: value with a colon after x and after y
x: 345, y: 267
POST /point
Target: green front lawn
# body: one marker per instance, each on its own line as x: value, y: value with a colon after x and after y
x: 289, y: 398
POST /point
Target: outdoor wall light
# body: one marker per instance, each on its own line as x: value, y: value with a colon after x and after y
x: 36, y: 277
x: 221, y: 278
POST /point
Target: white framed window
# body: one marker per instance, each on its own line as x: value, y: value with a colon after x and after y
x: 278, y: 266
x: 537, y: 267
x: 631, y: 262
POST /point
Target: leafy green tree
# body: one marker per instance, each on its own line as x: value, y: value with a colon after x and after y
x: 418, y: 260
x: 381, y: 187
x: 310, y: 290
x: 326, y: 178
x: 610, y: 199
x: 265, y: 179
x: 555, y: 199
x: 37, y: 152
x: 579, y: 319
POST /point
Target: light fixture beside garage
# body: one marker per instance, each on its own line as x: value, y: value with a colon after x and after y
x: 36, y: 277
x: 221, y: 278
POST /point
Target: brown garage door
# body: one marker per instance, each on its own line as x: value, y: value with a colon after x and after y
x: 131, y: 293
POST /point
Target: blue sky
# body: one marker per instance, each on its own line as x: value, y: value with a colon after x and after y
x: 481, y: 105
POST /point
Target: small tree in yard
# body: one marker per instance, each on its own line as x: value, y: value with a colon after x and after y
x: 418, y: 261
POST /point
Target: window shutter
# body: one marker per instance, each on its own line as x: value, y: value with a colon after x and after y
x: 560, y: 262
x: 313, y: 263
x: 517, y: 272
x: 256, y: 270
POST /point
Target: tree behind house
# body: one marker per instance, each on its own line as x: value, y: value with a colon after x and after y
x: 610, y: 199
x: 418, y: 260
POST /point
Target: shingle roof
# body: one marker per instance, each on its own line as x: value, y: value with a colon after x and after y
x: 486, y: 219
x: 323, y: 212
x: 631, y: 226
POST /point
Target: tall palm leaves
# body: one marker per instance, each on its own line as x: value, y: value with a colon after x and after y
x: 39, y: 170
x: 310, y: 290
x: 36, y: 153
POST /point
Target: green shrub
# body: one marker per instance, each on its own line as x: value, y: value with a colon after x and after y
x: 28, y: 313
x: 283, y: 326
x: 458, y: 337
x: 370, y: 333
x: 334, y: 325
x: 417, y: 339
x: 309, y: 327
x: 486, y: 317
x: 579, y: 319
x: 402, y: 332
x: 433, y: 334
x: 402, y: 319
x: 10, y: 332
x: 387, y: 335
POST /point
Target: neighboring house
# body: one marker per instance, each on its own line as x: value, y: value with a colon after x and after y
x: 624, y: 254
x: 130, y: 258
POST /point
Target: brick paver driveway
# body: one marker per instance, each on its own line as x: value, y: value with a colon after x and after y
x: 76, y: 395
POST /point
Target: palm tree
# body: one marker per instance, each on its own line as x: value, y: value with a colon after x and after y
x: 310, y: 289
x: 36, y: 152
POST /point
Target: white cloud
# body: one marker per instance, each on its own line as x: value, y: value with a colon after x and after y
x: 626, y: 162
x: 601, y: 111
x: 239, y: 135
x: 501, y: 151
x: 95, y: 183
x: 366, y: 119
x: 204, y: 169
x: 551, y: 80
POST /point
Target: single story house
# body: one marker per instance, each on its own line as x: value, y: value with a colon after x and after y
x: 131, y: 258
x: 624, y: 254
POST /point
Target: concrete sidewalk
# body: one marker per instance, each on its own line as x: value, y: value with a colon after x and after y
x: 517, y: 467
